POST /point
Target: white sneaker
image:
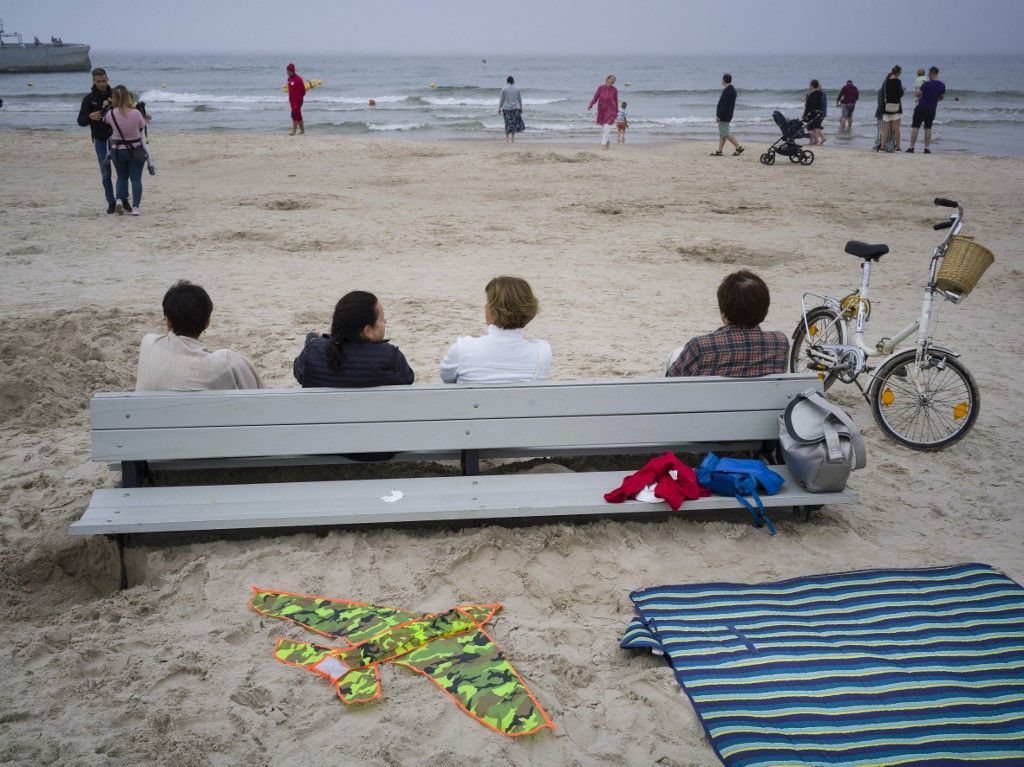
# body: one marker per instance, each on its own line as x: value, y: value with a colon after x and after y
x: 119, y: 208
x: 135, y: 211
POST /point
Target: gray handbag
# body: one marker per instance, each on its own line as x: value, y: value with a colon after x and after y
x: 820, y: 443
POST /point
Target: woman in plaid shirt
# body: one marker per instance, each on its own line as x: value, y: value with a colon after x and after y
x: 739, y: 348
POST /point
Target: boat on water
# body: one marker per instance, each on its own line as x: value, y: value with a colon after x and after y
x: 55, y: 56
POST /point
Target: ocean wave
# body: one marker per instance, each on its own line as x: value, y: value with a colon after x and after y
x: 36, y: 96
x: 362, y: 100
x: 791, y: 105
x: 174, y: 97
x: 451, y: 101
x: 558, y: 127
x: 364, y: 126
x: 464, y: 88
x: 395, y: 126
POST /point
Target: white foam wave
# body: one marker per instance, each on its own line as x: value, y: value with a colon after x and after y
x: 394, y: 126
x: 451, y: 101
x: 679, y: 120
x: 155, y: 96
x: 363, y: 100
x: 561, y: 127
x: 776, y: 105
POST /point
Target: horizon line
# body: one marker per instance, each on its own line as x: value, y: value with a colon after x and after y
x: 574, y: 54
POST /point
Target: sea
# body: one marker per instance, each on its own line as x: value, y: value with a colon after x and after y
x: 669, y: 97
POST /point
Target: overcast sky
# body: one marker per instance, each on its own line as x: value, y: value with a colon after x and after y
x: 482, y: 27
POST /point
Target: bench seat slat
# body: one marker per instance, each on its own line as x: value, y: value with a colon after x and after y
x: 299, y: 504
x: 438, y: 402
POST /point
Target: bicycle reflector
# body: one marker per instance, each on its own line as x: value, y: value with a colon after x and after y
x: 888, y: 397
x: 960, y: 410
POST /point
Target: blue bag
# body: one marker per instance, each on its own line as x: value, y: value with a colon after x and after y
x: 740, y: 477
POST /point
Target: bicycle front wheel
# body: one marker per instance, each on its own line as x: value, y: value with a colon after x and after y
x: 931, y: 414
x: 825, y: 327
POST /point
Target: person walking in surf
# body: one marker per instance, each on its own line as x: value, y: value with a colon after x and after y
x: 296, y: 95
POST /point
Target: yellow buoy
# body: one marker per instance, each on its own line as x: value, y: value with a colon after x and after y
x: 888, y: 397
x: 433, y: 85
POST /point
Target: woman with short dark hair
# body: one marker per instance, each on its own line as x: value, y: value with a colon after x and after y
x: 510, y: 107
x: 739, y: 348
x: 355, y: 353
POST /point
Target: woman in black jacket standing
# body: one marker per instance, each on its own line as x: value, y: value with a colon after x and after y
x: 893, y: 110
x: 355, y: 354
x: 814, y: 112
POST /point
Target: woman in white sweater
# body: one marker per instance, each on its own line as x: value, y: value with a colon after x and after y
x: 503, y: 355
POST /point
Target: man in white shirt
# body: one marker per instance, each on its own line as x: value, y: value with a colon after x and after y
x: 177, y: 361
x: 503, y: 355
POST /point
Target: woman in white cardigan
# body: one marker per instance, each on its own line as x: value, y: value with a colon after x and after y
x: 503, y: 355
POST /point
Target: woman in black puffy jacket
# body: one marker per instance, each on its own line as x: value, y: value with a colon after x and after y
x: 355, y: 354
x: 815, y: 106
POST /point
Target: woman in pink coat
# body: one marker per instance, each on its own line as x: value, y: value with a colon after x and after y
x: 607, y: 100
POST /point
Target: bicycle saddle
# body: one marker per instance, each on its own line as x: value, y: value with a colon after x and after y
x: 866, y: 251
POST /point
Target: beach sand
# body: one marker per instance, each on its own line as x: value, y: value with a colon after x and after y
x: 624, y: 248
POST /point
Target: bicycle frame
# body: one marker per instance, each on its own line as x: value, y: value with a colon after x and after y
x: 857, y: 347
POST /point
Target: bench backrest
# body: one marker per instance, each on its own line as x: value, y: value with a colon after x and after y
x: 140, y: 426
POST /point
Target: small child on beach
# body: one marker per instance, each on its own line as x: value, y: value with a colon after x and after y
x: 621, y: 123
x: 921, y: 77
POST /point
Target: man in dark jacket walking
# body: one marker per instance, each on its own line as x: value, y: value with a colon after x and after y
x: 723, y: 116
x: 91, y: 114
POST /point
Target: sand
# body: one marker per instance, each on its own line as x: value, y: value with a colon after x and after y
x: 624, y: 248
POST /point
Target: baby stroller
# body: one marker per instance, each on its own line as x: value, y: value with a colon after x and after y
x: 786, y: 145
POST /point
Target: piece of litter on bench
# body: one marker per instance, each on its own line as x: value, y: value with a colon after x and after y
x: 394, y: 495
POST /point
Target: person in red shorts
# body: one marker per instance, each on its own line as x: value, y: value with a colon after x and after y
x: 296, y: 94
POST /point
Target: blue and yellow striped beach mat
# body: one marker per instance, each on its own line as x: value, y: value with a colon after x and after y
x: 877, y: 667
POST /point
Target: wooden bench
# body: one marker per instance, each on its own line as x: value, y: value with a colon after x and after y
x: 169, y: 430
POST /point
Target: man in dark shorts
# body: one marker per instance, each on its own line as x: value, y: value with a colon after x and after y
x: 931, y: 92
x: 847, y: 101
x: 91, y: 114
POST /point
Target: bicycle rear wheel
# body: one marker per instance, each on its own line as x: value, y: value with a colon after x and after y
x: 940, y: 413
x: 826, y: 327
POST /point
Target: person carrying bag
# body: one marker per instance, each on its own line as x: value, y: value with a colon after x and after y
x: 128, y: 151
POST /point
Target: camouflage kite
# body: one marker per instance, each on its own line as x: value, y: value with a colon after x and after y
x: 452, y: 649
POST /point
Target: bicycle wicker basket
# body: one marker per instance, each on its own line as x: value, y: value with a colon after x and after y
x: 963, y: 264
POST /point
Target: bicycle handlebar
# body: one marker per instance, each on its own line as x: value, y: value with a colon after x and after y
x: 943, y: 225
x: 942, y: 201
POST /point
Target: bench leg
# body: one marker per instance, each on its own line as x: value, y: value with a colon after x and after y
x: 805, y: 512
x: 122, y: 568
x: 470, y: 463
x: 134, y: 473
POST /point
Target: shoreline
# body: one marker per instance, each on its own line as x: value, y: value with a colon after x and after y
x: 410, y: 136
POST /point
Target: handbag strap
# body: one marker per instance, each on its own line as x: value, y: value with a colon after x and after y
x: 113, y: 117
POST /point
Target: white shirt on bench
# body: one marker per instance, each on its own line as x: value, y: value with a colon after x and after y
x: 502, y: 356
x: 170, y: 362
